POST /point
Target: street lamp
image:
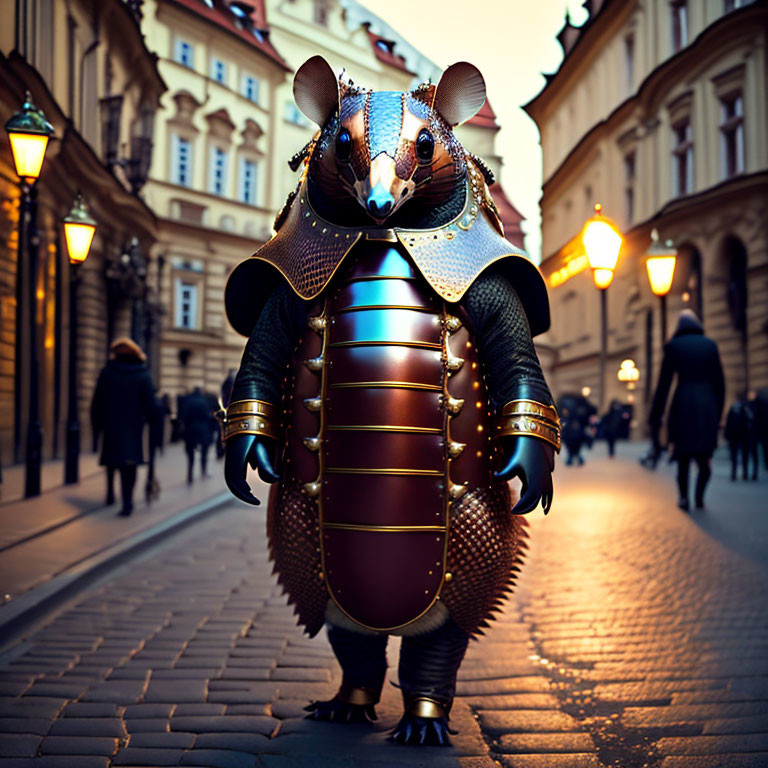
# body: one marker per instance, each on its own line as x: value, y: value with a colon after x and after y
x: 29, y: 132
x: 602, y: 242
x: 660, y: 262
x: 79, y: 229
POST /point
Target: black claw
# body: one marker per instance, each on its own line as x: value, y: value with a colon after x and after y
x: 422, y: 731
x: 337, y: 711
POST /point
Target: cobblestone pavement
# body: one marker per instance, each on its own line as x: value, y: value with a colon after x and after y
x: 635, y: 639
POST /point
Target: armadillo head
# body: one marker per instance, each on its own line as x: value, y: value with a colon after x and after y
x: 384, y: 150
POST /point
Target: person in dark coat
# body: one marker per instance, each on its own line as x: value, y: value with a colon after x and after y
x: 612, y: 423
x: 156, y: 439
x: 123, y: 402
x: 694, y: 414
x: 575, y: 411
x: 199, y: 425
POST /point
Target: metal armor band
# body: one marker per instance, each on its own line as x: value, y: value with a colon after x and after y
x: 247, y: 407
x: 427, y: 708
x: 249, y: 425
x: 531, y: 408
x: 360, y: 697
x: 511, y: 426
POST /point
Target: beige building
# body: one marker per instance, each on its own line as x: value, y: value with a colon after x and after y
x: 87, y: 67
x: 658, y: 111
x: 225, y: 134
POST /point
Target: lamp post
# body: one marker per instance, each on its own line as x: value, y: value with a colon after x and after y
x: 29, y: 132
x: 79, y: 229
x: 602, y: 242
x: 660, y: 262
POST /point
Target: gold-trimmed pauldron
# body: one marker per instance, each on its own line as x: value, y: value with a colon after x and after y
x: 527, y: 417
x: 249, y: 417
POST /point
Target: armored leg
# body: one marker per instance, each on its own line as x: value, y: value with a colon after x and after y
x: 363, y: 660
x: 429, y: 664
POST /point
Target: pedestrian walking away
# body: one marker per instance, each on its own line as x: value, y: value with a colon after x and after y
x: 694, y: 414
x: 198, y: 424
x: 123, y: 402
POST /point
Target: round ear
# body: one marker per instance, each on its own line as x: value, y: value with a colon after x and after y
x: 460, y: 93
x: 316, y: 90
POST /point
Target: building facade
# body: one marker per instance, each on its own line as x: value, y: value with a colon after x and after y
x: 227, y: 128
x: 86, y: 65
x: 658, y: 111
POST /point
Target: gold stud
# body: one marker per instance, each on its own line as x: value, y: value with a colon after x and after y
x: 317, y: 323
x: 448, y: 576
x: 312, y: 444
x: 453, y: 363
x: 312, y: 489
x: 456, y: 491
x: 455, y: 449
x: 452, y: 323
x: 453, y: 405
x: 314, y: 363
x: 313, y: 403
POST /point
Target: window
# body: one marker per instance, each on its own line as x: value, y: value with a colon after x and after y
x: 679, y: 9
x: 629, y: 186
x: 181, y: 161
x: 629, y: 63
x: 732, y: 5
x: 682, y: 158
x: 321, y: 12
x: 731, y: 135
x: 218, y: 174
x: 293, y: 114
x: 218, y: 70
x: 250, y: 88
x: 249, y: 179
x: 185, y: 304
x: 184, y: 53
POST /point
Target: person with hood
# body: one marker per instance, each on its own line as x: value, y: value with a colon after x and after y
x: 123, y: 402
x: 694, y: 414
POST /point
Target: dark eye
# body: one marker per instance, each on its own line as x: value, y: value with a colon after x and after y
x: 425, y: 146
x: 343, y: 146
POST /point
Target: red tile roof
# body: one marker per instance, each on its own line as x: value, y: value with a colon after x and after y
x: 384, y: 50
x: 511, y: 218
x: 222, y: 15
x: 485, y: 118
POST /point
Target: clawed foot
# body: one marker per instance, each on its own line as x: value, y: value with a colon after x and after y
x: 427, y: 731
x: 338, y: 711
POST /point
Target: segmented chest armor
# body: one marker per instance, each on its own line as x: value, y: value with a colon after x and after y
x: 387, y: 426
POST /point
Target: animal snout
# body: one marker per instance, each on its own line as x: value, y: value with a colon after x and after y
x: 380, y: 202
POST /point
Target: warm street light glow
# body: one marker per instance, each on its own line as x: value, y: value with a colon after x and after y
x: 79, y: 229
x: 602, y: 243
x: 660, y: 263
x: 628, y: 371
x: 586, y: 391
x: 28, y: 131
x: 602, y: 277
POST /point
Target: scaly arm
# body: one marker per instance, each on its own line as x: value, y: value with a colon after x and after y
x: 528, y: 427
x: 250, y: 428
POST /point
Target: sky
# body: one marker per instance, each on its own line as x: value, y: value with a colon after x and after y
x: 512, y: 42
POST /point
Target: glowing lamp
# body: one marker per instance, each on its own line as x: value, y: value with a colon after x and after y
x: 28, y: 132
x: 79, y: 229
x: 602, y: 277
x: 602, y: 243
x: 660, y: 263
x: 628, y: 371
x: 586, y: 391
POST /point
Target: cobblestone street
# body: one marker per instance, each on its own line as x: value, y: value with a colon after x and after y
x: 637, y: 637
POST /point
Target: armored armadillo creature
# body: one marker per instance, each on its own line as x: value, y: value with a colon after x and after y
x: 389, y: 370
